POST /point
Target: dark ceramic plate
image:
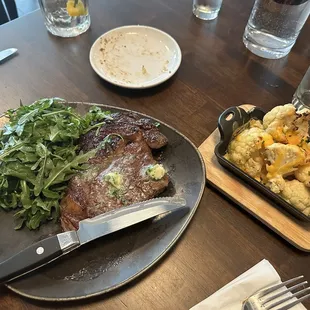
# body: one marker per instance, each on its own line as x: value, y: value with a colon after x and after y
x: 110, y: 262
x: 230, y: 120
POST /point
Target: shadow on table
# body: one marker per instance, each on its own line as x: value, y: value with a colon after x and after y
x: 137, y: 93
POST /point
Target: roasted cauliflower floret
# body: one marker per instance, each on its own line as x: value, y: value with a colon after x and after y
x: 301, y: 124
x: 275, y: 151
x: 276, y: 184
x: 283, y: 159
x: 302, y: 174
x: 255, y: 123
x: 277, y: 121
x: 294, y: 192
x: 306, y: 211
x: 297, y: 194
x: 245, y: 150
x: 305, y: 145
x: 286, y: 125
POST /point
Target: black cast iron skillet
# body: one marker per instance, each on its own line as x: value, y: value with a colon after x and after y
x: 230, y: 120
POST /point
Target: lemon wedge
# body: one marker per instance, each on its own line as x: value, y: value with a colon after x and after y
x: 76, y: 8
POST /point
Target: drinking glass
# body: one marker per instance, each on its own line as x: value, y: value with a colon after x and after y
x: 206, y: 9
x: 65, y: 18
x: 274, y: 26
x: 301, y: 97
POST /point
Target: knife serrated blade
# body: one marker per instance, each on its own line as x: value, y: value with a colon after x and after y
x: 47, y: 250
x: 107, y: 223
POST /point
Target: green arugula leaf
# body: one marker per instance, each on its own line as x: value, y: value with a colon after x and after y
x: 38, y: 156
x: 54, y: 132
x: 25, y: 195
x: 43, y: 152
x: 35, y: 220
x: 27, y: 117
x: 50, y: 194
x: 36, y: 165
x: 6, y: 152
x: 20, y: 171
x: 57, y: 176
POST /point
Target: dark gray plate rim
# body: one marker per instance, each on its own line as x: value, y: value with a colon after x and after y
x: 172, y: 242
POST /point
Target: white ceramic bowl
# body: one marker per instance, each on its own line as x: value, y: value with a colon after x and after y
x: 135, y: 56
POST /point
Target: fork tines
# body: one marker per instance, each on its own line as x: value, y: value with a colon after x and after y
x: 304, y: 293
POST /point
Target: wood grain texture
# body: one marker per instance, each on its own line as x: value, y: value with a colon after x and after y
x: 217, y: 72
x: 294, y: 231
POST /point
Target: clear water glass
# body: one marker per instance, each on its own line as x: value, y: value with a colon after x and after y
x: 274, y: 26
x: 206, y: 9
x: 301, y: 97
x: 65, y: 18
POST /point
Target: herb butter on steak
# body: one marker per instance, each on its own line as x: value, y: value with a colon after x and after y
x: 121, y: 173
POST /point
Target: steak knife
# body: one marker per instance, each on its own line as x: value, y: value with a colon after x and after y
x: 49, y: 249
x: 7, y: 53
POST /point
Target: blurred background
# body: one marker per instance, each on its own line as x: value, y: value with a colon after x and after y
x: 11, y: 9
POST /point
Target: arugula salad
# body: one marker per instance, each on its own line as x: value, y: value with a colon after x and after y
x: 39, y: 154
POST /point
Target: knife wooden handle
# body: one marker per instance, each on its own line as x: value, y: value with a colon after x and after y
x: 32, y: 257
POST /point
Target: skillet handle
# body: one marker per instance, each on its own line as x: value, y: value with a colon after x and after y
x: 230, y: 120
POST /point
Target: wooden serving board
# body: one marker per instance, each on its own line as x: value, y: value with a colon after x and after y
x: 293, y: 230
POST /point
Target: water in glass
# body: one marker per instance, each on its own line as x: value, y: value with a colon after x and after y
x: 274, y: 25
x: 301, y: 97
x: 206, y: 9
x: 65, y: 18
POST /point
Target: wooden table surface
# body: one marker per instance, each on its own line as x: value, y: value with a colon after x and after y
x: 217, y: 72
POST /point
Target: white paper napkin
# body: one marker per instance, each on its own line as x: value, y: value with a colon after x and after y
x: 231, y: 296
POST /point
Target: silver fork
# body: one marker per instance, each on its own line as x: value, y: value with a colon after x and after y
x: 265, y: 300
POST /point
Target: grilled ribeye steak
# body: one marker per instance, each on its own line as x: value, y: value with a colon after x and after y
x: 117, y: 175
x: 125, y: 123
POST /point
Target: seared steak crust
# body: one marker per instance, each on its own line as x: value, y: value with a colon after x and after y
x: 125, y: 148
x: 125, y: 124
